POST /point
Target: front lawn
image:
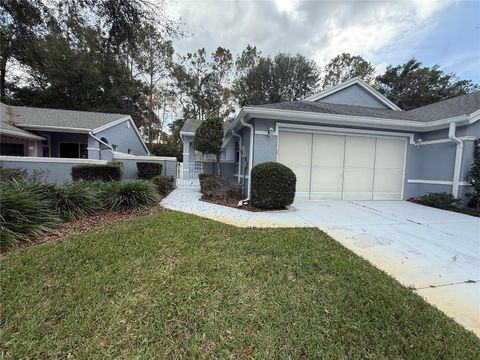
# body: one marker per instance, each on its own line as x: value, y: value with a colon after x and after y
x: 179, y: 286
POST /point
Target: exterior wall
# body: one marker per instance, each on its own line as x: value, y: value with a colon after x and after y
x: 125, y: 137
x: 30, y: 147
x: 432, y: 162
x: 129, y: 164
x: 56, y: 170
x: 354, y: 95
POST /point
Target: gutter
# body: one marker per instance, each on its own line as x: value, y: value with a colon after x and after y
x: 240, y: 140
x: 250, y: 161
x: 458, y: 158
x: 100, y: 141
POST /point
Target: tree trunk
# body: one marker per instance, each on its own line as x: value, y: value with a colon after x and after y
x: 3, y: 74
x: 219, y: 168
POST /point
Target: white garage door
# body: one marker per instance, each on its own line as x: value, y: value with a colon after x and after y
x: 344, y: 166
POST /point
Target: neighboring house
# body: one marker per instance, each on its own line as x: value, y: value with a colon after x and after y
x: 27, y: 131
x: 52, y: 139
x: 349, y: 142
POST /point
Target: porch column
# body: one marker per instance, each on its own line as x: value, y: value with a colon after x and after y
x: 93, y: 148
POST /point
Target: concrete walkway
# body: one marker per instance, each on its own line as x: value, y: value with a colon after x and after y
x: 436, y: 252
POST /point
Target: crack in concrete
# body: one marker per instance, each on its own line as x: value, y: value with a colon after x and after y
x: 448, y: 284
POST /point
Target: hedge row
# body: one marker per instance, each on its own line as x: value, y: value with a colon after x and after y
x: 29, y: 209
x: 90, y: 172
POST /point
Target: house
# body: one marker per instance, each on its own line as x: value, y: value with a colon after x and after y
x: 38, y: 132
x: 350, y: 142
x: 55, y: 140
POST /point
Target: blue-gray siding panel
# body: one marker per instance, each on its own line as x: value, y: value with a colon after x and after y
x: 354, y: 95
x: 124, y: 137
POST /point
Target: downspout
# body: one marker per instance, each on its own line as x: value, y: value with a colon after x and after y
x: 458, y: 158
x: 100, y: 141
x: 250, y: 161
x: 240, y: 154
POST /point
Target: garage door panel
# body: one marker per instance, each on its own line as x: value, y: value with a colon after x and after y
x: 294, y: 151
x: 326, y: 183
x: 357, y: 184
x: 390, y: 153
x: 328, y: 150
x: 359, y: 151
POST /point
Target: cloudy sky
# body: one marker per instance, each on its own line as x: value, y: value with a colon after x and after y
x: 383, y: 32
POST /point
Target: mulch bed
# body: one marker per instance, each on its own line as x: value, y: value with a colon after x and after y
x: 233, y: 203
x: 84, y: 224
x: 461, y: 210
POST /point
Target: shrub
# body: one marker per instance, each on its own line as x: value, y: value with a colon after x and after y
x: 148, y: 170
x: 164, y: 184
x: 214, y: 187
x: 13, y: 174
x: 234, y: 191
x: 474, y: 178
x: 76, y: 199
x: 273, y: 185
x: 202, y: 177
x: 439, y: 200
x: 25, y: 210
x: 128, y: 194
x: 89, y: 172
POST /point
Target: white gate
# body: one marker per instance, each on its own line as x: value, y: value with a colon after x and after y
x: 187, y: 175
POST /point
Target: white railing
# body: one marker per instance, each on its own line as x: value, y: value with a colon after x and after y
x: 189, y: 170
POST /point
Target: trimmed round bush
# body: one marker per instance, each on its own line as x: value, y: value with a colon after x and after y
x: 148, y: 170
x: 273, y: 185
x: 164, y: 184
x: 90, y: 172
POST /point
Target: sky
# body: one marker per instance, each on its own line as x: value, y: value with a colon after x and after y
x: 445, y: 32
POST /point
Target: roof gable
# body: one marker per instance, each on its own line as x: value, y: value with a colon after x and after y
x: 354, y: 92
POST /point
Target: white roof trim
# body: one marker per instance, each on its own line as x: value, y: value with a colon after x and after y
x: 53, y: 128
x: 351, y: 82
x: 21, y: 135
x: 349, y: 120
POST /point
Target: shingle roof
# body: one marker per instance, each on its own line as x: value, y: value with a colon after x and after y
x: 55, y: 117
x: 460, y: 105
x: 7, y: 126
x: 191, y: 125
x: 339, y: 109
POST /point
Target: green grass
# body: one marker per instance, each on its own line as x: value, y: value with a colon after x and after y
x: 178, y: 286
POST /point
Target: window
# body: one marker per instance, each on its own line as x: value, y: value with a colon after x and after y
x: 129, y: 151
x: 73, y: 150
x: 114, y: 147
x: 12, y: 149
x: 46, y: 146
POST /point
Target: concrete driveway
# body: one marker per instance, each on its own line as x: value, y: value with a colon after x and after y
x: 435, y: 252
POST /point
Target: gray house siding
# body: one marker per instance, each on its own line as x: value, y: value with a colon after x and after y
x: 432, y: 162
x: 125, y: 137
x: 354, y: 95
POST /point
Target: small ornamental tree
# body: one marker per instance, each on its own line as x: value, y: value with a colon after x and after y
x: 208, y: 138
x: 474, y: 177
